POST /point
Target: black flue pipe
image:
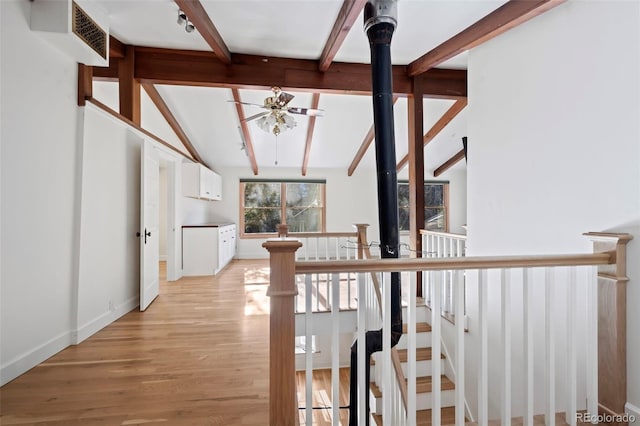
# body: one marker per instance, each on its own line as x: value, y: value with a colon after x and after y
x: 380, y: 22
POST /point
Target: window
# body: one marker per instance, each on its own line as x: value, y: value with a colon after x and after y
x: 265, y: 204
x: 436, y: 203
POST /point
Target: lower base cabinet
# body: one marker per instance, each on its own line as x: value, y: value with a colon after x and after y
x: 207, y: 249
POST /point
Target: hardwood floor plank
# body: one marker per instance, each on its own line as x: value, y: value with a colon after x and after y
x: 197, y: 356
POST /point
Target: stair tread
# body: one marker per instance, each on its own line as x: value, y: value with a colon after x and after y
x: 424, y: 383
x: 422, y: 354
x: 423, y: 417
x: 421, y: 327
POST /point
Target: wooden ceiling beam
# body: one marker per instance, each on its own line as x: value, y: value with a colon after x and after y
x: 415, y: 125
x: 244, y: 128
x: 85, y: 83
x: 164, y: 109
x: 116, y: 48
x: 449, y: 163
x: 507, y: 16
x: 200, y: 19
x: 346, y: 17
x: 109, y: 73
x: 315, y: 101
x: 196, y: 68
x: 129, y: 87
x: 364, y: 146
x: 446, y: 118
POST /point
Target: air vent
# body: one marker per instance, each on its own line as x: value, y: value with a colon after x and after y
x: 85, y: 28
x: 80, y: 28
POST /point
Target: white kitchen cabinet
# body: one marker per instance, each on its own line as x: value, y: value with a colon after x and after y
x: 201, y: 182
x: 207, y: 248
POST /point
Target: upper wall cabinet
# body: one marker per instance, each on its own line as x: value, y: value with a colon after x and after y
x: 200, y: 182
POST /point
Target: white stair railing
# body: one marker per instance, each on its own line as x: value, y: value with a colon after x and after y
x: 560, y: 290
x: 440, y: 245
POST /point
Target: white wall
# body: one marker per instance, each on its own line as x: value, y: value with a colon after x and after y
x: 40, y: 168
x: 554, y: 149
x: 108, y: 284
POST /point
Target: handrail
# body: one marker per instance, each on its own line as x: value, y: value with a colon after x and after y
x: 455, y: 263
x: 443, y: 234
x: 321, y: 234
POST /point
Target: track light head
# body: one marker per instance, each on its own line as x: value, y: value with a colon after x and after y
x: 182, y: 17
x: 189, y: 27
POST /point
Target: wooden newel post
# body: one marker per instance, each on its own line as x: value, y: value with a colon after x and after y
x: 283, y: 230
x: 361, y: 229
x: 283, y: 406
x: 612, y: 322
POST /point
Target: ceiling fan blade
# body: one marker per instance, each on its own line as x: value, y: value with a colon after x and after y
x: 284, y: 98
x: 253, y: 117
x: 306, y: 111
x: 247, y: 103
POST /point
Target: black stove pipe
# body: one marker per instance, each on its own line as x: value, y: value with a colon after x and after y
x: 380, y: 22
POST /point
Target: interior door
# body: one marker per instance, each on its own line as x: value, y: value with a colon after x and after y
x: 149, y: 225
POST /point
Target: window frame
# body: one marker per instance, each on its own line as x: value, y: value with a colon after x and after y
x: 283, y: 204
x: 445, y: 199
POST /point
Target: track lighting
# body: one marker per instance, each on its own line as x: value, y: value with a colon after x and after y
x: 182, y: 17
x: 184, y: 20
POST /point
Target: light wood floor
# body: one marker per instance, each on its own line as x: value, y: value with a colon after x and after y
x: 322, y: 397
x: 198, y: 356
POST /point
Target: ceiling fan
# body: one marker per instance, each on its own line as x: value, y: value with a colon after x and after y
x: 276, y: 119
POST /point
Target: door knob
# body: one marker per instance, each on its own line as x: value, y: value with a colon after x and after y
x: 146, y: 234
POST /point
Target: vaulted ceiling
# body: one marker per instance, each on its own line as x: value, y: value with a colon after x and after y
x: 252, y: 35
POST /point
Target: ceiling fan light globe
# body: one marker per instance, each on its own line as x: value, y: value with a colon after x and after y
x: 262, y: 124
x: 289, y: 122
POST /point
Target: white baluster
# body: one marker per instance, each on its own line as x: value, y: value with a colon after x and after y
x: 305, y: 246
x: 360, y: 332
x: 335, y: 348
x: 317, y: 289
x: 527, y: 298
x: 571, y: 402
x: 308, y: 349
x: 550, y: 354
x: 387, y: 374
x: 592, y: 339
x: 460, y: 376
x: 483, y: 376
x: 411, y: 351
x: 436, y: 349
x: 505, y: 321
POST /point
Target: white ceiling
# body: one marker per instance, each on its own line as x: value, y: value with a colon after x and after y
x: 296, y: 29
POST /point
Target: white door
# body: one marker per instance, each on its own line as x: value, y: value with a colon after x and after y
x: 149, y: 225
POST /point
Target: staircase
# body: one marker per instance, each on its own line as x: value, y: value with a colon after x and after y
x: 424, y: 364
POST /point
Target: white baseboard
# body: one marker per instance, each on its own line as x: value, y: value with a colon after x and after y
x: 632, y: 410
x: 97, y: 324
x: 163, y: 258
x: 30, y: 359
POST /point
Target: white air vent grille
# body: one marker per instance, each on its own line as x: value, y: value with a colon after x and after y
x: 85, y: 28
